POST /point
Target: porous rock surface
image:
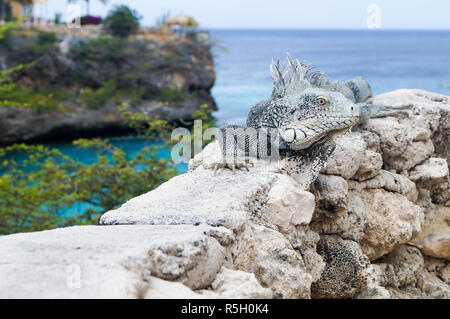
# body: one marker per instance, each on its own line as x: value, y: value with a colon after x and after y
x: 375, y: 226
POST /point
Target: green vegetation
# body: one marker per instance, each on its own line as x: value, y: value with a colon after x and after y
x: 172, y: 95
x: 121, y: 22
x: 40, y: 100
x: 94, y: 98
x: 39, y: 184
x: 33, y: 49
x: 36, y: 191
x: 57, y: 19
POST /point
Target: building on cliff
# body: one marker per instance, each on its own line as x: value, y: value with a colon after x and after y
x: 26, y: 8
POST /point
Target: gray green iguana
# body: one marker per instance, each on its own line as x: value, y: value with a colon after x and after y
x: 300, y: 120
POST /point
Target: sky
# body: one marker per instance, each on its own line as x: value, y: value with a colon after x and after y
x: 283, y: 14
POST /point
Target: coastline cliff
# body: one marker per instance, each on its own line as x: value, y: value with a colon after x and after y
x: 71, y: 85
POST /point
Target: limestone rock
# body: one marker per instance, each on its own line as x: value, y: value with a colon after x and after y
x: 157, y: 288
x: 287, y: 203
x: 269, y: 255
x: 434, y: 239
x: 104, y: 262
x: 432, y: 172
x: 225, y: 199
x: 403, y: 275
x: 406, y: 142
x: 235, y: 284
x: 346, y: 268
x: 195, y: 265
x: 332, y: 194
x: 389, y: 181
x: 433, y: 286
x: 438, y: 267
x: 348, y: 155
x: 370, y: 166
x: 433, y: 175
x: 402, y: 266
x: 304, y: 240
x: 377, y: 220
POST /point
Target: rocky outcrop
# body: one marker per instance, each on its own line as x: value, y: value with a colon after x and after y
x: 364, y: 230
x: 168, y: 78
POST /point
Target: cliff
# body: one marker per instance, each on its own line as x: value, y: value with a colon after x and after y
x: 375, y: 225
x: 76, y: 83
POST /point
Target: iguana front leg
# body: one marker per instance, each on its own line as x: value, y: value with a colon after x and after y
x: 233, y: 145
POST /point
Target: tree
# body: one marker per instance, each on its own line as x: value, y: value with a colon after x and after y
x: 121, y: 21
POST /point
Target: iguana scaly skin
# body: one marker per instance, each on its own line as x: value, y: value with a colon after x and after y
x: 300, y: 120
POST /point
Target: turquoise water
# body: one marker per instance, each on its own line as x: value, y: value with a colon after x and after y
x: 389, y: 60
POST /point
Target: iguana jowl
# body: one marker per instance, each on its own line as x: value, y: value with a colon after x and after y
x: 300, y: 120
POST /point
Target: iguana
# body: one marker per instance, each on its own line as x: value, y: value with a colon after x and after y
x: 300, y: 120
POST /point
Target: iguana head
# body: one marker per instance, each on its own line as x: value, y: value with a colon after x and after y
x: 307, y: 109
x: 320, y: 114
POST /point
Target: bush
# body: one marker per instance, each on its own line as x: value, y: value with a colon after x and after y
x: 121, y: 22
x: 94, y: 99
x: 33, y: 50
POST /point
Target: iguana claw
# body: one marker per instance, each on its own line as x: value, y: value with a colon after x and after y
x: 233, y: 167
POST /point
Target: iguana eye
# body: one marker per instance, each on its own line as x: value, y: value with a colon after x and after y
x: 321, y: 100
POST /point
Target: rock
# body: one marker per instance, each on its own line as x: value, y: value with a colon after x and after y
x: 346, y: 268
x: 194, y: 265
x: 235, y: 284
x: 332, y: 193
x: 370, y: 166
x: 389, y: 181
x: 406, y: 142
x: 441, y: 194
x: 269, y: 255
x: 400, y: 150
x: 433, y: 287
x: 226, y: 199
x: 208, y: 157
x: 402, y: 266
x: 404, y: 276
x: 304, y: 240
x: 106, y: 262
x: 377, y: 220
x: 439, y: 267
x: 373, y: 293
x: 261, y: 208
x: 434, y: 239
x: 347, y: 157
x: 433, y: 175
x: 432, y: 172
x: 163, y: 289
x: 288, y: 204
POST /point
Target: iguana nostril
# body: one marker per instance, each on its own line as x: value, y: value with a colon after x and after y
x: 289, y: 135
